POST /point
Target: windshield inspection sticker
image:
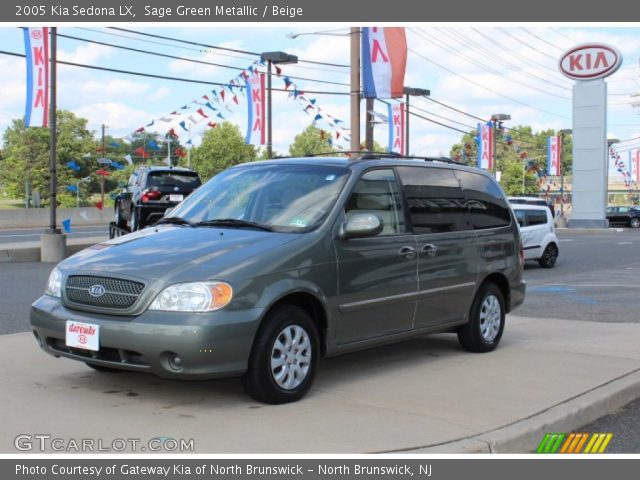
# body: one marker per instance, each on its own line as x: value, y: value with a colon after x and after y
x: 298, y: 222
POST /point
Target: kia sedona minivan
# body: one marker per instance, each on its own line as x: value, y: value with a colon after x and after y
x: 272, y: 265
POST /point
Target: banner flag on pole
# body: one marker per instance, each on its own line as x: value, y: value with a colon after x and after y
x: 485, y: 146
x: 396, y: 128
x: 36, y: 46
x: 384, y: 60
x: 554, y: 149
x: 636, y: 166
x: 256, y: 101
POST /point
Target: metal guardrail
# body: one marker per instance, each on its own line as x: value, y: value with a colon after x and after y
x: 115, y: 231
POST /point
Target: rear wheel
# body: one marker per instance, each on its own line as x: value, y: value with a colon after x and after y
x: 549, y: 256
x: 634, y: 222
x: 135, y: 219
x: 120, y: 221
x: 284, y: 358
x: 486, y: 321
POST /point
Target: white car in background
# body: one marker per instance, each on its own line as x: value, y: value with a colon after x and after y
x: 537, y: 233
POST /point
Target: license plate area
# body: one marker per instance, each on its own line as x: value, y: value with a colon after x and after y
x: 85, y: 336
x: 174, y: 197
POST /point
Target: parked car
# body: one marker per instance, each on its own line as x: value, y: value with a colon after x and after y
x: 533, y: 201
x: 150, y: 192
x: 538, y: 234
x: 271, y: 265
x: 624, y: 216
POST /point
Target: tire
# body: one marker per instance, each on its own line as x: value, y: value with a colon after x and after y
x: 549, y: 256
x: 135, y: 220
x: 120, y: 222
x: 281, y: 369
x: 100, y: 368
x: 634, y: 222
x: 486, y: 321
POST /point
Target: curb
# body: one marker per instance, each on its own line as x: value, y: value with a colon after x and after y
x: 524, y: 435
x: 32, y: 254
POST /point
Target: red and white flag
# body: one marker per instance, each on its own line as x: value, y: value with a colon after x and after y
x: 36, y: 46
x: 256, y: 100
x: 554, y: 151
x: 397, y: 128
x: 384, y: 60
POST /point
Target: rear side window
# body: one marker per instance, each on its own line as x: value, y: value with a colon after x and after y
x: 486, y: 203
x: 536, y: 217
x: 435, y: 199
x: 173, y: 179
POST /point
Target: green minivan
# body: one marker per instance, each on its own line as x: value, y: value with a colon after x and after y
x: 271, y: 265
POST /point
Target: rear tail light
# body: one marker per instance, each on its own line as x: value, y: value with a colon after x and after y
x: 521, y: 256
x: 150, y: 195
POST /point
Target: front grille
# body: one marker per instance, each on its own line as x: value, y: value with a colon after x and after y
x: 118, y: 293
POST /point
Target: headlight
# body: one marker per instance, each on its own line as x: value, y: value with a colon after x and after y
x: 53, y: 284
x: 193, y: 297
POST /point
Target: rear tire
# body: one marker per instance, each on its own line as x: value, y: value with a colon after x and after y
x: 120, y: 222
x: 549, y: 256
x: 284, y: 357
x: 486, y: 321
x: 100, y: 368
x: 135, y: 220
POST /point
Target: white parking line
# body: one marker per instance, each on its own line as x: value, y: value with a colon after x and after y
x: 625, y: 243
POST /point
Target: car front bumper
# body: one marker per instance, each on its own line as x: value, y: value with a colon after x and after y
x: 209, y: 345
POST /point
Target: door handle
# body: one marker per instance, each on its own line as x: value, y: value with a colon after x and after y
x: 407, y: 252
x: 429, y: 250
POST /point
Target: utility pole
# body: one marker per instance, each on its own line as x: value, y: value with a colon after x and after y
x: 369, y: 106
x: 104, y: 153
x: 355, y: 88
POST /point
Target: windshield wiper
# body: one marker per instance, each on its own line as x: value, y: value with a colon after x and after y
x: 175, y: 221
x: 232, y: 222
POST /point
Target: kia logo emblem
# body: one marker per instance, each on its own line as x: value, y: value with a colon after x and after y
x: 97, y: 290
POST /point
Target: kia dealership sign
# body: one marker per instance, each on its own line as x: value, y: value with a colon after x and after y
x: 590, y: 61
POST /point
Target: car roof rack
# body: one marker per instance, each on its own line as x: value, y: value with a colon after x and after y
x: 367, y: 155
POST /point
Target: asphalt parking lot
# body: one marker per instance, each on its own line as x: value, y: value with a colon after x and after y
x: 575, y: 333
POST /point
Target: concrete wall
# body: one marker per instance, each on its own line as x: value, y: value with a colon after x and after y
x: 39, y: 217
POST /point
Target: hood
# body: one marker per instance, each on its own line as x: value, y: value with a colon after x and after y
x: 166, y: 252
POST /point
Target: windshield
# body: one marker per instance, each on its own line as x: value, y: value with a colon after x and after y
x: 286, y: 198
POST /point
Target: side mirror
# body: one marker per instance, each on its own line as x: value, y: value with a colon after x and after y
x: 362, y: 225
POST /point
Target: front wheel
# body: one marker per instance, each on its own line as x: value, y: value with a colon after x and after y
x: 549, y: 256
x: 634, y: 222
x: 486, y: 321
x: 284, y: 358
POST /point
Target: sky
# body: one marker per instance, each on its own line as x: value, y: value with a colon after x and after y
x: 478, y: 70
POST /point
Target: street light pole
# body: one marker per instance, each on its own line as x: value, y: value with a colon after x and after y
x: 273, y: 58
x: 53, y: 134
x: 497, y: 119
x: 416, y: 92
x: 355, y: 88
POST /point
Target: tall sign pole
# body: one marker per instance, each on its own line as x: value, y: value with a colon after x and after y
x: 589, y: 64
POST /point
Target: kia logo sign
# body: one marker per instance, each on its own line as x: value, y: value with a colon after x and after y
x: 590, y: 61
x: 97, y: 291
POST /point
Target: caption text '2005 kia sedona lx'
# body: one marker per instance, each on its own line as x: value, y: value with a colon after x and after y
x: 271, y: 265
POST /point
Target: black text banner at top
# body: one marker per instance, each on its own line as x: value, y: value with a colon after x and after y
x: 260, y: 11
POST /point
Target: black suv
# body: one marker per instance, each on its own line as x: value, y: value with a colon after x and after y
x: 150, y: 192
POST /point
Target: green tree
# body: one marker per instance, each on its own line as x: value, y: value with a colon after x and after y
x: 221, y: 148
x: 311, y: 141
x: 26, y: 156
x: 512, y: 179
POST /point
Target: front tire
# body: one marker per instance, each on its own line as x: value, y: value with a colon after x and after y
x: 284, y: 357
x: 549, y: 256
x: 486, y: 321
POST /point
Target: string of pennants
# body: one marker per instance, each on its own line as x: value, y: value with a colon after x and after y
x: 630, y: 170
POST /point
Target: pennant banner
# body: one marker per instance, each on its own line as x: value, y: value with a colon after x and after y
x: 384, y: 61
x: 36, y: 46
x: 485, y: 146
x: 397, y: 128
x: 554, y: 149
x: 256, y: 105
